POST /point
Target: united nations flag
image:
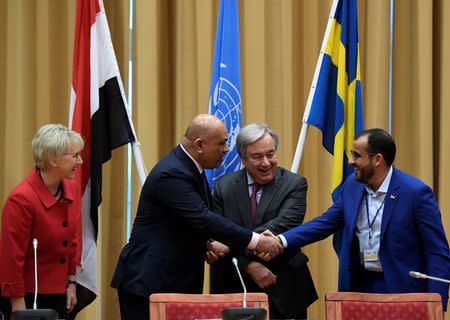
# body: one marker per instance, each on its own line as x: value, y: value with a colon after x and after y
x: 225, y: 92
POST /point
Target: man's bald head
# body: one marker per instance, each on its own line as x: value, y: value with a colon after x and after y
x: 206, y: 140
x: 202, y: 126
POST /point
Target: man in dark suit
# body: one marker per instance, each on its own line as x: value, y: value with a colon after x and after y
x: 279, y: 204
x: 167, y: 247
x: 390, y: 223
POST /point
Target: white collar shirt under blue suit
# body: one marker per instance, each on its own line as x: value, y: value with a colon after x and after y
x: 369, y: 237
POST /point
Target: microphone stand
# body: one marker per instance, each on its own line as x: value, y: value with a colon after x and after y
x: 419, y: 275
x: 35, y: 243
x: 243, y: 313
x: 35, y: 313
x: 235, y: 262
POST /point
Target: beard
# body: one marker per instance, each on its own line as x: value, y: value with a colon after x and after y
x: 365, y: 174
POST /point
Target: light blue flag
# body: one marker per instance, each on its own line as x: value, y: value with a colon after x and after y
x: 225, y: 92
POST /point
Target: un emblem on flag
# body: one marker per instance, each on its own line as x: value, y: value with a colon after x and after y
x: 226, y: 105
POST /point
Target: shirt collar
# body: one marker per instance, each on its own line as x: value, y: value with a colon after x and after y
x: 44, y: 194
x: 249, y: 179
x: 384, y: 186
x: 199, y: 167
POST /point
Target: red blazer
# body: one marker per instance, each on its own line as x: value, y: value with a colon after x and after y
x: 31, y: 211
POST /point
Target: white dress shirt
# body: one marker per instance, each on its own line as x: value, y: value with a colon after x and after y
x: 250, y: 188
x: 369, y: 237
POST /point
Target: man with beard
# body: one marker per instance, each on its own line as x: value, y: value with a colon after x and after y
x: 390, y: 223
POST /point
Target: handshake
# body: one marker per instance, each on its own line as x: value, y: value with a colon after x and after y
x: 267, y: 248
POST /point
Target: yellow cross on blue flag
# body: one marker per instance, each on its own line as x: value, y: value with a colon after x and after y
x: 336, y: 107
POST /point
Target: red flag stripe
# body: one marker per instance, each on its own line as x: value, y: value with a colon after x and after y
x: 81, y: 121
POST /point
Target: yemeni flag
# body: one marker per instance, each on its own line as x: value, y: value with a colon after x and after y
x: 98, y: 111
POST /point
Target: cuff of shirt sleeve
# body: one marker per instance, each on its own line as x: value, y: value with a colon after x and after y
x: 254, y: 242
x: 283, y: 240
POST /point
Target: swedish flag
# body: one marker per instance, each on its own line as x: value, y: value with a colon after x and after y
x: 336, y: 107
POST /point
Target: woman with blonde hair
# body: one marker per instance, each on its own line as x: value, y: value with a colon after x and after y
x: 45, y: 206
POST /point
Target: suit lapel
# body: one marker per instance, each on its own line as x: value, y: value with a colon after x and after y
x: 267, y: 196
x: 355, y: 203
x: 242, y: 198
x: 390, y: 201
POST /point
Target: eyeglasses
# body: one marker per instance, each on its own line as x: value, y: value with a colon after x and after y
x: 75, y: 155
x: 258, y: 157
x: 356, y: 155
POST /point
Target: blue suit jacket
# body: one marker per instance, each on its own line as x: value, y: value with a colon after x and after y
x: 412, y: 235
x: 167, y: 247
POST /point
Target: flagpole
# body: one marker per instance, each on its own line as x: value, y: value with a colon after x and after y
x: 137, y: 155
x: 139, y: 162
x: 305, y: 124
x: 135, y: 145
x: 391, y: 39
x: 130, y: 111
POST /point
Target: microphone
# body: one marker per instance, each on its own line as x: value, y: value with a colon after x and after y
x: 235, y: 262
x: 243, y: 313
x: 35, y: 243
x: 419, y: 275
x: 42, y: 314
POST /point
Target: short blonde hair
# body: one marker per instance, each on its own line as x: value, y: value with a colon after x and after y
x: 51, y: 142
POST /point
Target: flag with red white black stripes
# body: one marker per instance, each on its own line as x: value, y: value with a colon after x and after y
x: 98, y: 111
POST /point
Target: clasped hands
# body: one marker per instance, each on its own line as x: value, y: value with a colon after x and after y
x: 215, y: 250
x: 268, y: 247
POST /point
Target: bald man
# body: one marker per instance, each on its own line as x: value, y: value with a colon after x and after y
x: 167, y: 247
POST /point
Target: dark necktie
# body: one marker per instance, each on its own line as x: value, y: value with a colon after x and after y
x: 253, y: 201
x: 206, y: 188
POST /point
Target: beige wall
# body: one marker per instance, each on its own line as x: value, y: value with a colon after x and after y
x: 173, y: 48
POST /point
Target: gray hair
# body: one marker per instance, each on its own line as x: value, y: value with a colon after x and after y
x: 51, y: 141
x: 251, y: 133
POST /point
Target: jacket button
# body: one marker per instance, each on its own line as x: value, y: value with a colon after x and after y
x: 63, y: 260
x: 64, y: 224
x: 65, y: 242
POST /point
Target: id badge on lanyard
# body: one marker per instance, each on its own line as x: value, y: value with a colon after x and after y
x: 370, y: 255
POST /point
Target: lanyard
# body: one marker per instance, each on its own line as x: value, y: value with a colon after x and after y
x: 370, y: 223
